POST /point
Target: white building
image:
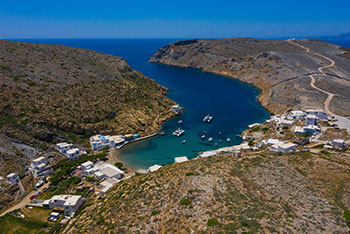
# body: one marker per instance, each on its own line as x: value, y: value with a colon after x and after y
x: 287, y: 147
x: 283, y: 148
x: 153, y: 168
x: 64, y: 147
x: 254, y: 125
x: 311, y: 120
x: 338, y: 143
x: 207, y: 154
x: 40, y: 167
x: 285, y: 123
x: 180, y: 159
x: 176, y: 109
x: 87, y: 165
x: 73, y: 154
x: 13, y: 178
x: 98, y: 142
x: 312, y: 129
x: 108, y: 171
x: 70, y: 203
x: 107, y: 185
x: 318, y: 113
x: 298, y: 115
x: 299, y: 130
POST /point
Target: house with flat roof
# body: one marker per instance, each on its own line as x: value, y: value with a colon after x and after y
x: 312, y: 129
x: 338, y: 143
x: 180, y: 159
x: 311, y: 120
x: 176, y: 109
x: 70, y: 203
x: 153, y: 168
x: 110, y: 171
x: 13, y: 178
x: 40, y: 167
x: 64, y: 147
x: 297, y: 115
x: 98, y: 142
x: 299, y: 130
x: 287, y: 147
x: 107, y: 185
x: 73, y: 154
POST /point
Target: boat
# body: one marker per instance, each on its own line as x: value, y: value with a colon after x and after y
x: 162, y: 133
x: 216, y: 144
x: 228, y: 139
x: 203, y: 136
x: 208, y: 118
x: 220, y: 140
x: 210, y: 139
x: 178, y: 132
x: 179, y: 122
x: 183, y: 142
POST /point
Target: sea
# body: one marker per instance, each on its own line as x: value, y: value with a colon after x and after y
x: 232, y: 104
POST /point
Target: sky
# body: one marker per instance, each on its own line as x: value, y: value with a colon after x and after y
x: 172, y: 19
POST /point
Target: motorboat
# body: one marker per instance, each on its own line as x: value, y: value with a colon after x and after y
x: 228, y: 139
x: 179, y: 122
x: 208, y: 118
x: 178, y: 132
x: 203, y: 136
x: 183, y: 142
x: 210, y: 139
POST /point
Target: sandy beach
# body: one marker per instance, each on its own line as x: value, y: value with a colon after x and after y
x: 115, y: 157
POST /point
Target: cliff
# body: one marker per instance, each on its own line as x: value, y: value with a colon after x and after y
x: 281, y: 69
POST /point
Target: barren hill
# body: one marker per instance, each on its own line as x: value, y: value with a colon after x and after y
x: 259, y: 193
x: 50, y: 93
x: 281, y: 69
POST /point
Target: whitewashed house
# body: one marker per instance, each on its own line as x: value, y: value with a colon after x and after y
x: 107, y: 185
x: 110, y: 171
x: 180, y: 159
x: 40, y: 167
x: 338, y: 143
x: 153, y: 168
x: 318, y: 113
x: 311, y: 120
x: 98, y: 142
x: 285, y: 123
x: 73, y: 154
x: 312, y: 129
x: 64, y: 147
x: 287, y: 147
x: 87, y: 165
x: 13, y: 178
x: 297, y: 115
x: 299, y: 130
x: 208, y: 154
x: 70, y: 203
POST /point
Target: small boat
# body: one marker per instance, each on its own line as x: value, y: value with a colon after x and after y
x: 216, y: 144
x: 179, y: 122
x: 228, y: 139
x: 183, y: 142
x: 220, y: 133
x: 210, y: 139
x: 208, y: 118
x: 203, y: 136
x: 161, y: 133
x: 178, y: 132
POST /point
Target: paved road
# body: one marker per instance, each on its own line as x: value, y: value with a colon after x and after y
x: 25, y: 201
x: 343, y: 122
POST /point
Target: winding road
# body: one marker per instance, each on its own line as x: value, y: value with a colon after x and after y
x: 343, y: 122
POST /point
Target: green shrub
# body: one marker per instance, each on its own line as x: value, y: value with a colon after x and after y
x: 185, y: 202
x: 212, y: 222
x: 189, y: 174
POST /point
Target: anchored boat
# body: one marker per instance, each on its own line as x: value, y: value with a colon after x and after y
x: 178, y: 132
x: 208, y: 118
x: 210, y: 139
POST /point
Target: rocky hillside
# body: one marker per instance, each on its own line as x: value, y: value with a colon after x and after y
x: 259, y: 193
x: 279, y: 68
x: 51, y: 93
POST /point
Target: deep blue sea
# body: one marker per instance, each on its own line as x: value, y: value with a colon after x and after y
x: 233, y: 104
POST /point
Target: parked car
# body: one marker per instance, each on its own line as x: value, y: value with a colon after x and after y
x: 39, y: 184
x: 54, y: 216
x: 32, y: 197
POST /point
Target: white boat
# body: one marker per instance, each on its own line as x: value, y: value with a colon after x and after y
x: 183, y: 142
x: 203, y: 136
x: 228, y: 139
x: 208, y: 118
x: 179, y: 122
x: 210, y: 139
x: 178, y: 132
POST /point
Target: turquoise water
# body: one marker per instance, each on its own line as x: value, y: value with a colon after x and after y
x: 233, y: 104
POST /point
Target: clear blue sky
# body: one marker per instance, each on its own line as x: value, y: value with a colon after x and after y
x: 172, y: 19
